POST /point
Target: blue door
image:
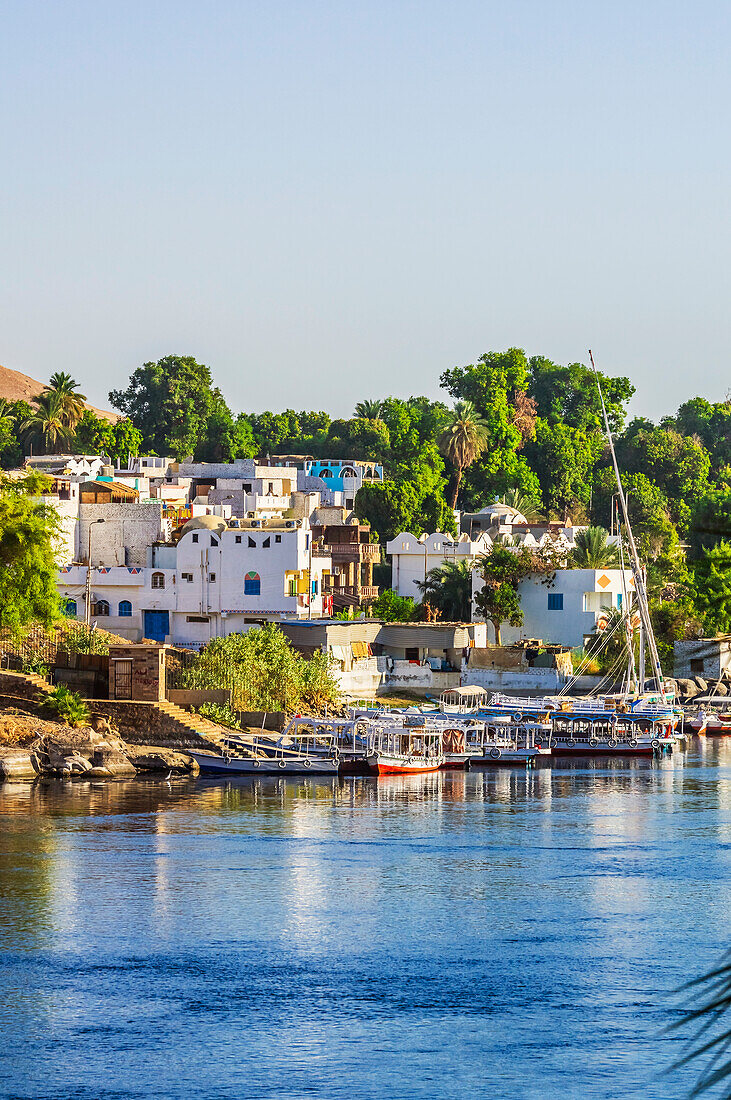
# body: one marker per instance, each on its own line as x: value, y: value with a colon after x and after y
x: 157, y: 625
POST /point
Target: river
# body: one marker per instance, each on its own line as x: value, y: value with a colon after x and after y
x: 484, y: 934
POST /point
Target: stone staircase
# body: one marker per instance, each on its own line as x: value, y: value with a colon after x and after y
x: 193, y: 723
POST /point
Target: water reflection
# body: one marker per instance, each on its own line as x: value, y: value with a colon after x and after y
x: 266, y: 930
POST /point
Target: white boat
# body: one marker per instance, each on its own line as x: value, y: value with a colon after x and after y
x: 404, y: 750
x: 503, y: 741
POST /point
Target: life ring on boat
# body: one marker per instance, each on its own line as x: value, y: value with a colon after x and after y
x: 282, y: 763
x: 307, y: 762
x: 632, y: 742
x: 570, y: 742
x: 593, y: 742
x: 655, y: 743
x: 495, y: 754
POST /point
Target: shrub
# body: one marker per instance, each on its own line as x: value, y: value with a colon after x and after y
x: 67, y: 705
x: 263, y: 672
x: 220, y: 713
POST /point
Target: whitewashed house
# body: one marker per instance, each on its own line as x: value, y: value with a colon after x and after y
x: 565, y: 612
x: 412, y: 558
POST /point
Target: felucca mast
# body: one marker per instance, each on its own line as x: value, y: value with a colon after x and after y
x: 639, y: 579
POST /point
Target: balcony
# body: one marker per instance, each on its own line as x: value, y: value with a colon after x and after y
x: 353, y: 551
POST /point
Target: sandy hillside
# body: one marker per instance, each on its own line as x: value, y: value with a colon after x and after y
x: 15, y: 386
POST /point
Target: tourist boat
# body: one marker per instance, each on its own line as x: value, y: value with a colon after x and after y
x: 697, y: 722
x: 302, y: 749
x: 718, y: 725
x: 500, y: 740
x: 611, y: 732
x: 404, y: 750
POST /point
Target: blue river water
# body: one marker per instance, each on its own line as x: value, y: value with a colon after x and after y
x: 483, y: 934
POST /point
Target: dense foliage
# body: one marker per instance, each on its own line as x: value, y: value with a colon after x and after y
x: 263, y: 672
x: 28, y: 534
x: 520, y: 428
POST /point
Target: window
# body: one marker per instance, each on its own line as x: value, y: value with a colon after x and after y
x: 266, y: 543
x: 125, y: 609
x: 70, y: 609
x: 212, y: 578
x: 314, y: 588
x: 195, y: 538
x: 277, y: 538
x: 252, y: 543
x: 158, y: 580
x: 187, y: 577
x: 102, y: 609
x: 214, y: 542
x: 196, y: 618
x: 555, y: 601
x: 270, y: 489
x: 696, y: 666
x: 307, y: 542
x: 411, y: 654
x: 619, y: 600
x: 238, y: 538
x: 252, y: 584
x: 292, y: 586
x: 247, y: 488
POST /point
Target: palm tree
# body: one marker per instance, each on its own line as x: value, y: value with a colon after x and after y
x: 48, y: 421
x: 72, y: 402
x: 709, y: 1010
x: 369, y: 410
x: 523, y: 502
x: 463, y: 440
x: 593, y: 550
x: 448, y: 588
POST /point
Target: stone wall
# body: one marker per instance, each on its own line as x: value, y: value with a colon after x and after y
x: 144, y: 724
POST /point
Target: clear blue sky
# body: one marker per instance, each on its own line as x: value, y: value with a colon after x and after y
x: 330, y: 201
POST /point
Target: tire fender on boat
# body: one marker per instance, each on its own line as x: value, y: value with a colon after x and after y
x: 256, y: 763
x: 632, y: 742
x: 571, y: 741
x: 307, y: 763
x: 655, y: 743
x: 612, y: 743
x: 593, y: 742
x: 495, y: 754
x: 282, y: 763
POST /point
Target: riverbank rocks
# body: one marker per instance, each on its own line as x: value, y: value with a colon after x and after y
x: 16, y: 764
x: 157, y: 759
x: 82, y: 753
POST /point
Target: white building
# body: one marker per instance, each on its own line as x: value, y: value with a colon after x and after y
x: 412, y: 558
x: 220, y: 578
x: 567, y: 611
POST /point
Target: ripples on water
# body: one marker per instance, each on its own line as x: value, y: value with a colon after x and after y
x: 482, y: 934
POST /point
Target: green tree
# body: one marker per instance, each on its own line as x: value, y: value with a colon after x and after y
x: 170, y: 402
x: 464, y: 438
x: 713, y: 578
x: 594, y: 551
x: 448, y: 589
x: 47, y: 423
x: 392, y: 608
x: 568, y: 395
x: 677, y: 464
x: 71, y: 401
x: 501, y: 571
x: 563, y: 457
x: 368, y: 410
x: 28, y: 548
x: 93, y: 435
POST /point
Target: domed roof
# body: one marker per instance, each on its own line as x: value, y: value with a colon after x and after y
x: 205, y: 523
